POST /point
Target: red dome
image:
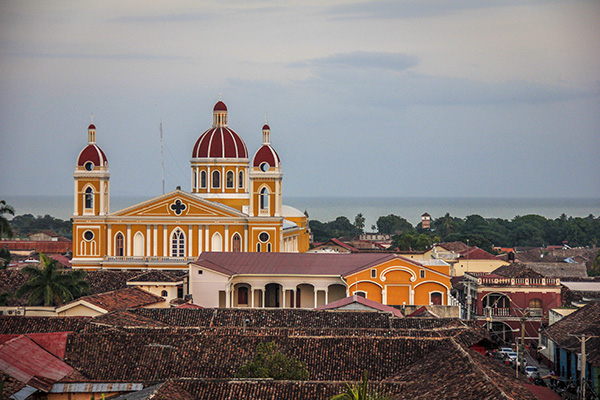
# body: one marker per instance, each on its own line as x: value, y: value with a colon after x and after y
x: 220, y: 142
x: 266, y: 154
x: 91, y: 153
x: 266, y: 127
x: 92, y: 126
x: 220, y: 106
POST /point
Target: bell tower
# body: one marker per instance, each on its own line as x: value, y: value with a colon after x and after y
x: 91, y: 179
x: 265, y: 180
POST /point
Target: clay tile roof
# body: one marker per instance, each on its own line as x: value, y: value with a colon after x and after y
x: 121, y: 299
x: 558, y: 270
x: 516, y: 270
x: 123, y: 318
x: 361, y: 300
x: 156, y: 276
x: 454, y: 246
x: 289, y: 263
x: 26, y: 325
x: 475, y: 253
x: 422, y: 312
x: 586, y: 320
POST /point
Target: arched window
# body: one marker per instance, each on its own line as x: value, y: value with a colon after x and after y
x: 236, y: 243
x: 119, y: 245
x: 264, y: 199
x: 164, y: 293
x: 178, y: 244
x: 89, y: 198
x: 361, y: 294
x: 269, y: 247
x: 216, y: 242
x: 195, y: 179
x: 241, y: 180
x: 216, y: 179
x: 435, y: 298
x: 243, y: 295
x: 203, y: 179
x: 258, y: 247
x: 138, y: 245
x: 230, y: 180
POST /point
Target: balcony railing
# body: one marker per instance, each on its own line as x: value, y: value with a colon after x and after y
x: 500, y: 312
x: 149, y: 260
x: 518, y: 281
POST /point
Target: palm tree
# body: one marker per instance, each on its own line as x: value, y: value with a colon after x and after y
x: 360, y: 392
x: 5, y: 228
x: 49, y: 286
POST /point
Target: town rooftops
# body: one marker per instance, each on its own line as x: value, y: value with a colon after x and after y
x: 516, y: 270
x: 156, y: 276
x: 292, y: 263
x: 116, y: 300
x: 347, y: 301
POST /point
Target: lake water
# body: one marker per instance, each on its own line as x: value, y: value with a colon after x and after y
x: 328, y: 208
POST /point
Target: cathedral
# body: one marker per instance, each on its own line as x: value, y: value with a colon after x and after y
x: 235, y: 205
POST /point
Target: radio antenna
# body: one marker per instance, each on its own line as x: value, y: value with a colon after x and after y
x: 162, y: 158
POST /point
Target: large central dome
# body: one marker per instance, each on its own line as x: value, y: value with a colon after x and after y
x: 220, y: 141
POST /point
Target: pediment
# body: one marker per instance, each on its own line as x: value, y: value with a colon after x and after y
x: 178, y: 204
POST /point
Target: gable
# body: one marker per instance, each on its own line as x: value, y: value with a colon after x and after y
x: 178, y: 204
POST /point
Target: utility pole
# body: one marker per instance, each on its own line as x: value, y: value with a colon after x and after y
x: 522, y: 356
x: 583, y: 381
x: 469, y: 300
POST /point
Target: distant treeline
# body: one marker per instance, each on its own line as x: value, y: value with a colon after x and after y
x: 23, y: 225
x: 521, y: 231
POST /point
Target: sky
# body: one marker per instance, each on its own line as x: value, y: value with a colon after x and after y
x: 413, y: 98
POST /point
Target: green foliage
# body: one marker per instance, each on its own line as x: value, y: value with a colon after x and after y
x: 269, y: 362
x: 359, y: 222
x: 5, y: 228
x: 393, y: 224
x: 27, y: 223
x: 339, y: 227
x: 48, y: 286
x: 5, y: 258
x: 360, y: 391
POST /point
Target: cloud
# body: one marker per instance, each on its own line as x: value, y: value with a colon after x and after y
x: 362, y: 59
x: 383, y: 9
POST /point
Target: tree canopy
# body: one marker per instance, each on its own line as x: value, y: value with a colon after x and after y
x: 5, y: 228
x: 49, y: 286
x: 27, y: 223
x: 269, y: 362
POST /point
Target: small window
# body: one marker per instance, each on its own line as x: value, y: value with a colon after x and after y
x: 241, y: 180
x: 216, y: 179
x: 89, y: 166
x: 269, y: 247
x: 263, y: 237
x: 199, y: 272
x: 89, y: 198
x: 422, y: 273
x: 88, y: 235
x: 119, y: 245
x: 164, y: 293
x: 203, y: 179
x: 264, y: 199
x: 264, y: 167
x: 230, y: 180
x: 373, y: 273
x: 361, y: 294
x: 258, y: 247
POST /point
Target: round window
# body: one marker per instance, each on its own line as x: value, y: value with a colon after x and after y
x: 264, y: 167
x: 263, y: 237
x: 88, y: 235
x: 89, y: 165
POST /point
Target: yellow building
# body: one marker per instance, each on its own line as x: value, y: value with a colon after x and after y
x: 235, y: 205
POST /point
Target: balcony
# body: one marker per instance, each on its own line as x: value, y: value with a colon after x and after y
x: 500, y: 312
x: 148, y: 260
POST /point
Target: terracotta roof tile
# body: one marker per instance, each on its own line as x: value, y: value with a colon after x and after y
x: 121, y: 299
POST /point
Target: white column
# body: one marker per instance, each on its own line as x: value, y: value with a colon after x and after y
x: 76, y: 192
x: 206, y: 238
x: 251, y: 191
x: 148, y: 242
x: 226, y: 238
x: 316, y: 296
x: 101, y: 211
x: 236, y: 180
x: 264, y: 289
x: 200, y: 233
x: 246, y: 238
x: 282, y: 305
x: 155, y: 238
x: 252, y: 298
x: 208, y: 180
x: 277, y: 198
x: 227, y: 298
x: 190, y: 242
x: 165, y: 242
x: 327, y: 296
x: 109, y: 239
x: 128, y: 240
x: 412, y: 296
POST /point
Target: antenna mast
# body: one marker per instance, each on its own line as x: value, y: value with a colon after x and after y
x: 162, y: 159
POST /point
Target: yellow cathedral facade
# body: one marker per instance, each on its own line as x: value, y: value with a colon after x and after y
x: 235, y: 205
